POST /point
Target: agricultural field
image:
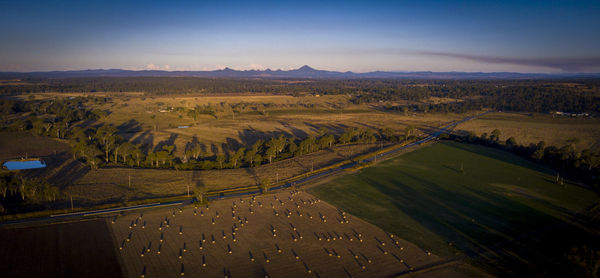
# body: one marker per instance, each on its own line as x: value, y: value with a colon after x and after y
x: 501, y: 212
x: 155, y: 119
x: 286, y: 234
x: 528, y: 128
x: 15, y: 145
x: 76, y: 249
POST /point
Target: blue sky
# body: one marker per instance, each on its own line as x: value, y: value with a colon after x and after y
x: 522, y: 36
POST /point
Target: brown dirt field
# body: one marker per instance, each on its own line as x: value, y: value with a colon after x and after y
x: 256, y: 236
x: 529, y: 129
x: 18, y: 144
x: 78, y: 249
x: 111, y: 184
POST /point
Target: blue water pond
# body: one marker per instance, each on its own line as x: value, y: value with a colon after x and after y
x: 24, y: 164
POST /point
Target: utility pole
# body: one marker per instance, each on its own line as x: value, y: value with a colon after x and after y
x: 188, y: 190
x: 71, y: 202
x: 277, y: 177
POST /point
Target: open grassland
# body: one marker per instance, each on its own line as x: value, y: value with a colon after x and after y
x: 532, y: 128
x: 503, y: 212
x: 140, y: 119
x: 287, y: 234
x: 78, y: 249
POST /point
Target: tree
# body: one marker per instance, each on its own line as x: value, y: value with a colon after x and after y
x: 409, y: 131
x: 511, y: 142
x: 126, y: 150
x: 538, y: 153
x: 91, y: 153
x: 249, y: 156
x: 257, y: 159
x: 386, y: 133
x: 271, y: 153
x: 137, y: 154
x: 220, y: 160
x: 326, y: 141
x: 236, y: 157
x: 105, y: 135
x: 292, y: 147
x: 495, y: 136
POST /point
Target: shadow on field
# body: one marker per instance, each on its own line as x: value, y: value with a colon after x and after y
x: 145, y: 139
x: 129, y: 129
x: 503, y: 156
x: 503, y: 236
x: 168, y: 142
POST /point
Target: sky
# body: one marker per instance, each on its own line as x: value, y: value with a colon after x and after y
x: 475, y: 36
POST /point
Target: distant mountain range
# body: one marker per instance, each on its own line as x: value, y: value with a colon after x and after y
x: 303, y: 72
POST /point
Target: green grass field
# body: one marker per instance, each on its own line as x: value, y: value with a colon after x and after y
x: 502, y: 212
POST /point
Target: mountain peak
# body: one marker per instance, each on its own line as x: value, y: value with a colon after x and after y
x: 305, y: 68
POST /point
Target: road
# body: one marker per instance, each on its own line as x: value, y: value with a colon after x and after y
x: 74, y: 215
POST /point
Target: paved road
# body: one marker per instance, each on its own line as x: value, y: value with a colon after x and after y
x: 431, y: 137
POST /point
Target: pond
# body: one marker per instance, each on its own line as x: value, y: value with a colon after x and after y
x: 24, y: 164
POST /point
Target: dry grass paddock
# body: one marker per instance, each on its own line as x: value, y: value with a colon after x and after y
x: 147, y: 124
x: 532, y: 128
x: 288, y: 234
x: 112, y: 184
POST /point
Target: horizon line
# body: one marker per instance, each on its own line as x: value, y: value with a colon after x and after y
x: 295, y: 69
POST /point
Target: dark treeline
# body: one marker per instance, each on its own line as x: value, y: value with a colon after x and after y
x: 510, y: 97
x: 581, y: 95
x: 26, y: 189
x: 579, y: 165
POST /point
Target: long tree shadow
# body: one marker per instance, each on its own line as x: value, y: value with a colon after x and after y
x: 168, y: 142
x: 129, y: 129
x: 145, y: 139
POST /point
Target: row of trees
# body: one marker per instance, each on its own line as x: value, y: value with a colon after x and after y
x: 104, y: 147
x: 582, y: 165
x: 35, y: 189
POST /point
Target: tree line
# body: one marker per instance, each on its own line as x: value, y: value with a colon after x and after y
x: 547, y: 95
x: 581, y: 165
x: 26, y: 189
x: 104, y: 147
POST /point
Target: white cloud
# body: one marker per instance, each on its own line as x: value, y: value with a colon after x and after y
x: 151, y: 67
x: 156, y: 67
